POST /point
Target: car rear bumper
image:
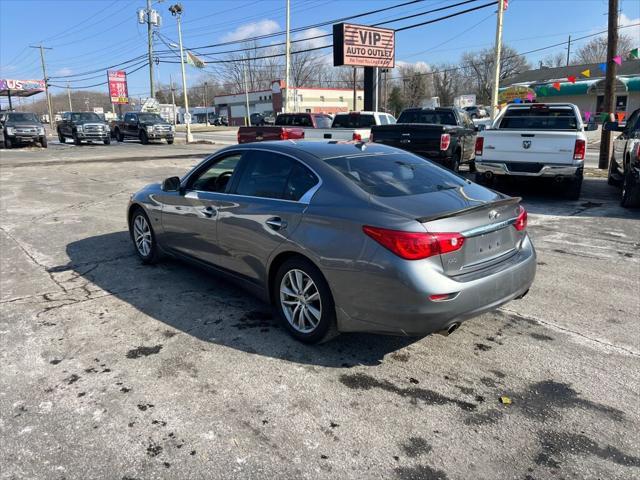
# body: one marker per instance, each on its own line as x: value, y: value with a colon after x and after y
x: 401, y: 305
x: 530, y: 169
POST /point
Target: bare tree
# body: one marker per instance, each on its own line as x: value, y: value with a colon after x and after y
x: 448, y: 82
x: 416, y: 83
x: 554, y: 60
x: 595, y: 51
x: 479, y: 67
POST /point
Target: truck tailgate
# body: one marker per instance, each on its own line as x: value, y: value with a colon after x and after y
x: 530, y: 146
x: 419, y: 137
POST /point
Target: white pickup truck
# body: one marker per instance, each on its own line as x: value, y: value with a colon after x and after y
x: 540, y: 140
x: 349, y: 126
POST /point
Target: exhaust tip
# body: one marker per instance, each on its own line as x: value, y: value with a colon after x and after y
x: 449, y: 330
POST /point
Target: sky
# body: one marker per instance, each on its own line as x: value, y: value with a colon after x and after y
x: 91, y: 35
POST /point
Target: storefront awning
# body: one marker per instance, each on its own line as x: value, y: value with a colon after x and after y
x: 566, y: 88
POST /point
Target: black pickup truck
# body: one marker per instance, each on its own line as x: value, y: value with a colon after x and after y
x: 144, y: 126
x: 445, y: 135
x: 80, y: 126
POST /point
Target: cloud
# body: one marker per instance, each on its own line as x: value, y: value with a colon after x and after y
x: 263, y: 27
x: 311, y: 42
x: 625, y: 21
x: 63, y: 72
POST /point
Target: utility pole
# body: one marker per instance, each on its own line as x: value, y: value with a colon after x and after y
x: 568, y: 50
x: 206, y: 107
x: 496, y: 70
x: 246, y: 96
x: 69, y: 97
x: 355, y: 72
x: 173, y: 98
x: 287, y: 62
x: 609, y: 104
x: 150, y: 46
x: 176, y: 10
x: 46, y: 81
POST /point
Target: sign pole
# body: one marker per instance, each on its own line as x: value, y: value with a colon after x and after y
x: 496, y: 67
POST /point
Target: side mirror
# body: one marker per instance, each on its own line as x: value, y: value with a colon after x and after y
x: 591, y: 127
x: 171, y: 184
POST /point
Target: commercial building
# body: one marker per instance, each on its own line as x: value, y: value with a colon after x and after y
x: 303, y: 99
x: 573, y: 86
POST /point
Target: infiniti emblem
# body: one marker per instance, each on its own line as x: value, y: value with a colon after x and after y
x: 526, y: 144
x: 493, y: 214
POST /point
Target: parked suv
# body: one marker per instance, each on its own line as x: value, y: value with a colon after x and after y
x: 144, y: 126
x: 22, y: 127
x: 80, y: 126
x: 624, y: 166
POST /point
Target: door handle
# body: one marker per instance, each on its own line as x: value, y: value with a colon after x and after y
x: 276, y: 223
x: 208, y: 212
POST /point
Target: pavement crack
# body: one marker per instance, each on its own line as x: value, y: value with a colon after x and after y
x: 555, y: 326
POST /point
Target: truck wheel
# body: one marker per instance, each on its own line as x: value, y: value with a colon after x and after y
x: 480, y: 179
x: 107, y: 141
x: 169, y: 141
x: 119, y: 136
x: 43, y: 142
x: 630, y: 191
x: 8, y: 143
x: 472, y: 166
x: 61, y: 138
x: 455, y: 162
x: 76, y: 140
x: 573, y: 190
x: 144, y: 138
x: 611, y: 180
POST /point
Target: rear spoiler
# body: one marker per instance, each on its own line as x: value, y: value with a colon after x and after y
x: 497, y: 203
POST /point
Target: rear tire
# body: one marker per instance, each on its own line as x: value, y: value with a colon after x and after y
x: 480, y: 179
x: 144, y: 138
x: 630, y: 191
x: 169, y: 141
x: 43, y: 142
x: 611, y: 180
x: 107, y: 141
x: 303, y: 301
x: 573, y: 189
x: 455, y: 162
x: 472, y: 166
x: 144, y: 238
x: 119, y: 136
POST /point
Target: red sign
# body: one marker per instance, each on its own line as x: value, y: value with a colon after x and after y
x: 118, y: 86
x: 362, y: 46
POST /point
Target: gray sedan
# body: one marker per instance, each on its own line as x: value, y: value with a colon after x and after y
x: 342, y: 237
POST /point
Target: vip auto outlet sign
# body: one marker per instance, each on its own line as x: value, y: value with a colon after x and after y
x: 362, y: 46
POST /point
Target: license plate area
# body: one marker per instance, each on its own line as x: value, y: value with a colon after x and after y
x: 489, y: 245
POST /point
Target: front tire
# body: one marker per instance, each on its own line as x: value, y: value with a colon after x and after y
x: 119, y: 136
x: 144, y: 138
x: 107, y: 141
x: 630, y: 191
x: 43, y: 142
x: 61, y: 138
x: 304, y: 302
x: 169, y: 141
x: 144, y: 239
x: 76, y: 140
x: 8, y: 143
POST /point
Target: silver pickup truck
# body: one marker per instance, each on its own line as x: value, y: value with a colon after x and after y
x: 19, y: 128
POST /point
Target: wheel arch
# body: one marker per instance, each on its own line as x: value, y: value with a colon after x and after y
x: 278, y: 261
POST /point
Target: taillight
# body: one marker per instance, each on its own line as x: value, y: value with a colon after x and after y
x: 521, y: 221
x: 284, y: 135
x: 579, y: 149
x: 415, y: 245
x: 238, y: 136
x: 479, y: 145
x: 445, y: 141
x: 357, y: 137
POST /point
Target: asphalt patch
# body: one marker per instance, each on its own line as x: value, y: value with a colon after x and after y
x: 143, y: 351
x: 415, y: 447
x: 420, y: 472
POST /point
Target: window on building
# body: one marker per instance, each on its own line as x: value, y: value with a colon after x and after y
x: 342, y: 99
x: 322, y: 98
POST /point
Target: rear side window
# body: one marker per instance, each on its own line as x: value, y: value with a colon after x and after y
x: 356, y: 120
x: 395, y: 175
x: 539, y: 118
x: 428, y: 116
x: 271, y: 175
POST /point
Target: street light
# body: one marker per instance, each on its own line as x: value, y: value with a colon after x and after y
x: 176, y: 11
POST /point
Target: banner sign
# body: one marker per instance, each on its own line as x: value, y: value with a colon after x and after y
x: 118, y: 86
x: 362, y: 46
x: 22, y: 85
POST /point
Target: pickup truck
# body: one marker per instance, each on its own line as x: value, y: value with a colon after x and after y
x: 624, y: 165
x: 445, y: 135
x: 80, y: 126
x: 20, y: 128
x: 351, y: 126
x: 144, y: 126
x: 288, y: 126
x: 538, y: 140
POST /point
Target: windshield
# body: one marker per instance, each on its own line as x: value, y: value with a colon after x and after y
x: 323, y: 122
x: 354, y: 120
x: 395, y: 175
x: 85, y: 117
x: 22, y: 117
x: 149, y: 117
x: 428, y: 116
x: 539, y: 117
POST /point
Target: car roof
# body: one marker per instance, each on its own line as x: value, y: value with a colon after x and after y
x: 322, y: 150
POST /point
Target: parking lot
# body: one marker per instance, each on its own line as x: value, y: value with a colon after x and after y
x: 114, y: 369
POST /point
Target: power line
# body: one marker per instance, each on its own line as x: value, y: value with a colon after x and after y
x: 101, y: 83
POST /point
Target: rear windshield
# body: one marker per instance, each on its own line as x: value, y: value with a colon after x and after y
x: 354, y: 120
x: 85, y: 117
x: 22, y: 117
x: 539, y: 118
x: 428, y: 116
x: 395, y: 175
x: 323, y: 122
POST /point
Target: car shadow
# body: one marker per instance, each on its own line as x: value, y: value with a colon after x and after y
x: 209, y: 307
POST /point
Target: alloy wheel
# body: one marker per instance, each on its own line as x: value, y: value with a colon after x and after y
x: 300, y: 301
x: 142, y: 235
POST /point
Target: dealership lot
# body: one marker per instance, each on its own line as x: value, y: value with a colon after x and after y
x: 177, y: 373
